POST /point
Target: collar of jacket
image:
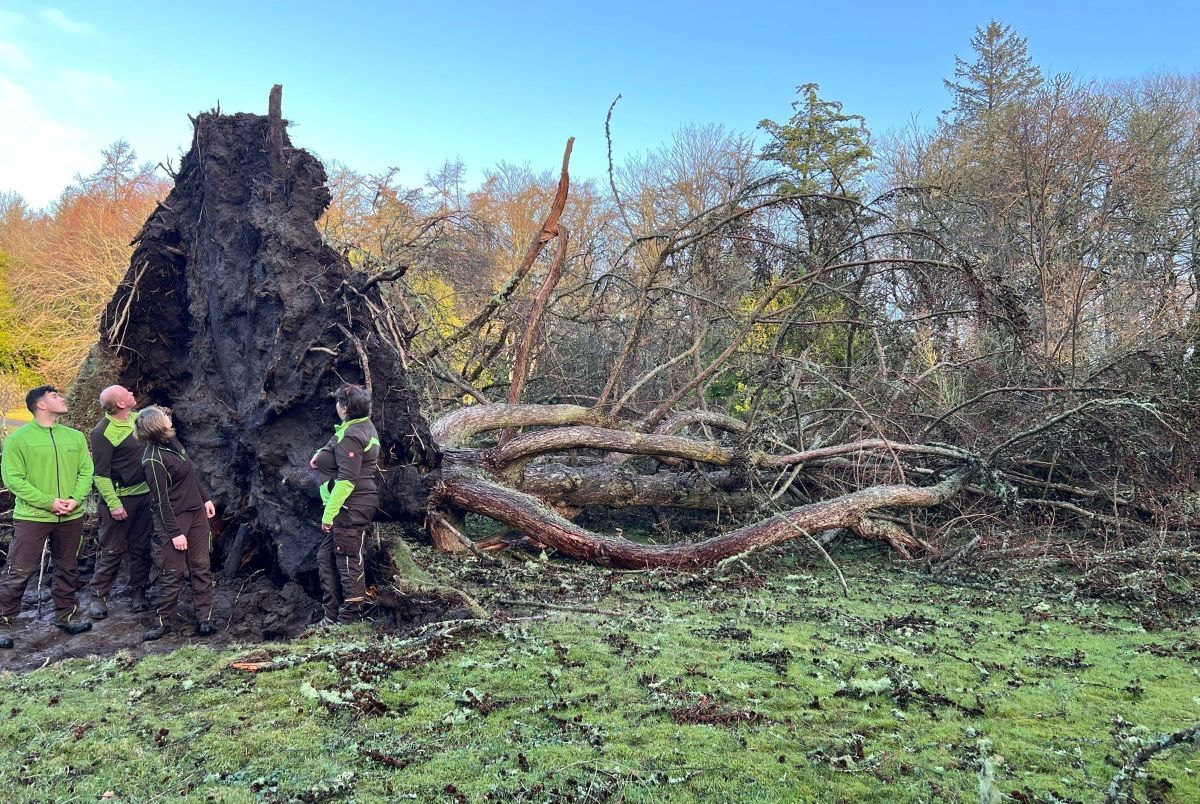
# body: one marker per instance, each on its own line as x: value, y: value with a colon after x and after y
x: 122, y: 425
x: 340, y: 430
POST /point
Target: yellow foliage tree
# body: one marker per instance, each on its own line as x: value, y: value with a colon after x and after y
x: 70, y: 260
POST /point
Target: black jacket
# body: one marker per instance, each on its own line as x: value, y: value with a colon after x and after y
x: 348, y: 465
x: 174, y: 485
x: 118, y: 460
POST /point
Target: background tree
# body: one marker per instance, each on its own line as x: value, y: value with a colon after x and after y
x: 1001, y: 75
x: 70, y: 259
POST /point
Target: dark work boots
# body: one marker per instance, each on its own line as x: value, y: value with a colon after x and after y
x: 137, y: 601
x: 157, y: 632
x: 97, y: 609
x: 73, y: 627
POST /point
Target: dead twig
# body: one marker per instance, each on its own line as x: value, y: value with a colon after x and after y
x: 1118, y: 790
x: 538, y: 604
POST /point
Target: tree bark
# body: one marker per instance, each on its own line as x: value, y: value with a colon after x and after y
x: 622, y: 487
x: 472, y: 492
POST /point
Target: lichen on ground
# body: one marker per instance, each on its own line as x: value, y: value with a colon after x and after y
x: 761, y: 683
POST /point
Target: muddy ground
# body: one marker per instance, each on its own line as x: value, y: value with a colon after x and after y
x: 251, y: 609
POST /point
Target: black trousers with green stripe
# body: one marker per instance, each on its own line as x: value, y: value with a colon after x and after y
x: 190, y: 565
x: 130, y: 536
x: 340, y: 560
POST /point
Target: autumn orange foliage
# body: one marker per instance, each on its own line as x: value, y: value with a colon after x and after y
x: 60, y: 266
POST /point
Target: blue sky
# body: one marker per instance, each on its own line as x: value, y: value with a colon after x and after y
x: 407, y: 85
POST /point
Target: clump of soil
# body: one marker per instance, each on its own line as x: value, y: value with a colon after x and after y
x: 238, y: 316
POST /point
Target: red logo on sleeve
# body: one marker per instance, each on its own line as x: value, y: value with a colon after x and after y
x: 351, y: 453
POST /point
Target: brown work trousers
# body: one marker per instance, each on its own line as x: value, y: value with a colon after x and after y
x: 340, y: 559
x: 191, y: 564
x: 25, y: 557
x: 120, y: 537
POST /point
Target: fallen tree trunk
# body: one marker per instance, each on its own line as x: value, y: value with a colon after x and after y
x: 622, y: 487
x: 470, y: 491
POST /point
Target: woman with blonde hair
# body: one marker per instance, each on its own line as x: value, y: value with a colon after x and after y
x: 181, y: 509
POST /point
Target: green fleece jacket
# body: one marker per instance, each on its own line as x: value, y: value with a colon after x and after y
x: 41, y: 464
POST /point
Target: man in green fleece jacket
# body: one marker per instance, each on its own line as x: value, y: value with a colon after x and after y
x: 47, y: 467
x: 125, y: 520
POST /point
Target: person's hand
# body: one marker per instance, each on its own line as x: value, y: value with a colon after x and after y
x: 120, y: 514
x: 63, y: 507
x: 326, y: 527
x: 312, y: 462
x: 210, y: 510
x: 180, y: 542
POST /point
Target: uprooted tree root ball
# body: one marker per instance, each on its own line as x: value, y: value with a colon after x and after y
x: 237, y: 316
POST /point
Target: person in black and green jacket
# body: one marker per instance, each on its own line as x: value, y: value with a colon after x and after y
x: 125, y: 519
x: 47, y: 467
x: 181, y: 509
x: 347, y: 465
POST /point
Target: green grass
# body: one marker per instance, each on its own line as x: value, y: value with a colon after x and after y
x: 763, y: 686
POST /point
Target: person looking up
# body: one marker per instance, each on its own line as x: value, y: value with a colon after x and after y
x: 125, y: 518
x: 181, y: 509
x: 347, y: 465
x: 47, y: 467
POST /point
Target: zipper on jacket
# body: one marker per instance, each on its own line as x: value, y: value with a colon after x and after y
x: 57, y: 470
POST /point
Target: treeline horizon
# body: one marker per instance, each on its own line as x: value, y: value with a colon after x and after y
x: 1016, y: 287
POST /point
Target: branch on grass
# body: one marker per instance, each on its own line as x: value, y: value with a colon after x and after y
x: 1119, y: 789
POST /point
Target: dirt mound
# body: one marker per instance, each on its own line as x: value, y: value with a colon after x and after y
x: 235, y: 314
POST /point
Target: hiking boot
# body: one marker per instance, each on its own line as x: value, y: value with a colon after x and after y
x: 206, y: 629
x: 157, y: 632
x: 324, y: 622
x: 97, y: 609
x: 73, y: 628
x: 137, y: 601
x: 351, y: 612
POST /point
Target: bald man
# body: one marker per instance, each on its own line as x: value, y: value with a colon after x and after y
x: 125, y: 520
